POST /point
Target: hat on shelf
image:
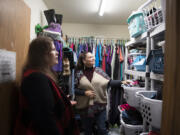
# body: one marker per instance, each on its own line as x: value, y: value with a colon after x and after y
x: 50, y: 16
x: 59, y: 18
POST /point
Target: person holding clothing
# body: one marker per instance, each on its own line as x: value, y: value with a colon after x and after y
x: 43, y: 107
x: 91, y: 84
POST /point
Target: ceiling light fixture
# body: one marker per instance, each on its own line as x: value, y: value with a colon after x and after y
x: 102, y: 7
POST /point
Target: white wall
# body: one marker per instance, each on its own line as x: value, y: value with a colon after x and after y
x: 73, y: 29
x: 107, y: 31
x: 37, y: 15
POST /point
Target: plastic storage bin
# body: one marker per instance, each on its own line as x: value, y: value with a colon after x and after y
x: 155, y: 61
x: 153, y: 15
x: 151, y: 109
x: 129, y: 94
x: 136, y: 24
x: 140, y: 63
x: 131, y: 129
x: 144, y: 133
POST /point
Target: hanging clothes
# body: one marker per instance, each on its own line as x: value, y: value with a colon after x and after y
x: 72, y: 46
x: 121, y: 59
x: 108, y: 63
x: 94, y: 49
x: 123, y: 63
x: 113, y: 62
x: 115, y: 101
x: 97, y: 56
x: 100, y: 55
x: 104, y: 59
x: 117, y: 65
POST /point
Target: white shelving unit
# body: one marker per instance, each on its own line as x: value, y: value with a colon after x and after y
x: 148, y: 40
x: 158, y: 77
x: 158, y: 30
x: 136, y: 54
x: 157, y: 33
x: 143, y: 40
x: 135, y: 73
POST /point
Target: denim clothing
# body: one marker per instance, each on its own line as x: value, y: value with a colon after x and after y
x: 99, y: 119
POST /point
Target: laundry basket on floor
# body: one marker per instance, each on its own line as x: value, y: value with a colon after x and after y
x: 144, y: 133
x: 151, y: 109
x: 131, y: 129
x: 129, y: 93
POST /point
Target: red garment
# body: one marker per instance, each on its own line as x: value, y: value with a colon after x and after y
x: 153, y: 133
x: 126, y: 107
x: 72, y: 46
x: 119, y: 52
x: 104, y: 60
x: 88, y: 72
x: 120, y: 55
x: 25, y: 125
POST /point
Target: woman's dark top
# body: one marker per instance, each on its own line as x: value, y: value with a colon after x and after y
x: 44, y: 108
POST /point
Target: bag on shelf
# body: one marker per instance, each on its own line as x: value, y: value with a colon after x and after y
x: 140, y: 63
x: 155, y: 61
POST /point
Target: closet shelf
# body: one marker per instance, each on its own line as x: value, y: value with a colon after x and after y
x: 158, y: 30
x: 139, y: 40
x: 130, y: 54
x: 154, y: 76
x: 135, y: 73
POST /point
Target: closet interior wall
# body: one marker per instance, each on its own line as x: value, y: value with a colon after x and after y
x: 14, y: 36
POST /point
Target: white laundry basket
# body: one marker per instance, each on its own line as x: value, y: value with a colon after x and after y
x: 153, y: 15
x: 151, y: 109
x: 131, y: 129
x: 129, y: 93
x: 144, y: 133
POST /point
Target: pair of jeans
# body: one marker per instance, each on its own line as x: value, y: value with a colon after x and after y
x: 99, y: 119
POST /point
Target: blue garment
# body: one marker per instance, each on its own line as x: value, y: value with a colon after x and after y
x: 100, y: 53
x: 97, y: 56
x: 99, y: 119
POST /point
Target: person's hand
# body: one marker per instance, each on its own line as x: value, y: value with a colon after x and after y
x: 90, y: 93
x: 126, y: 82
x: 73, y: 102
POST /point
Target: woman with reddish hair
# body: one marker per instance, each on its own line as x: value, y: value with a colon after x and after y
x: 43, y: 107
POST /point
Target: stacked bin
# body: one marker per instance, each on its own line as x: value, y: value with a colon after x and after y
x: 136, y: 24
x: 129, y: 94
x: 151, y: 109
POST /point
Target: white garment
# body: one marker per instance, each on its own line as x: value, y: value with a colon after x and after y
x: 94, y: 49
x: 113, y: 61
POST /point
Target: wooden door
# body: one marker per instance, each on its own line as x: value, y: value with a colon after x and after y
x: 171, y: 92
x: 14, y: 36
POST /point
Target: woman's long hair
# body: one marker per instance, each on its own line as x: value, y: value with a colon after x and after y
x: 80, y: 63
x: 38, y: 56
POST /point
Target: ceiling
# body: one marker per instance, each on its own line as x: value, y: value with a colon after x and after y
x: 86, y: 11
